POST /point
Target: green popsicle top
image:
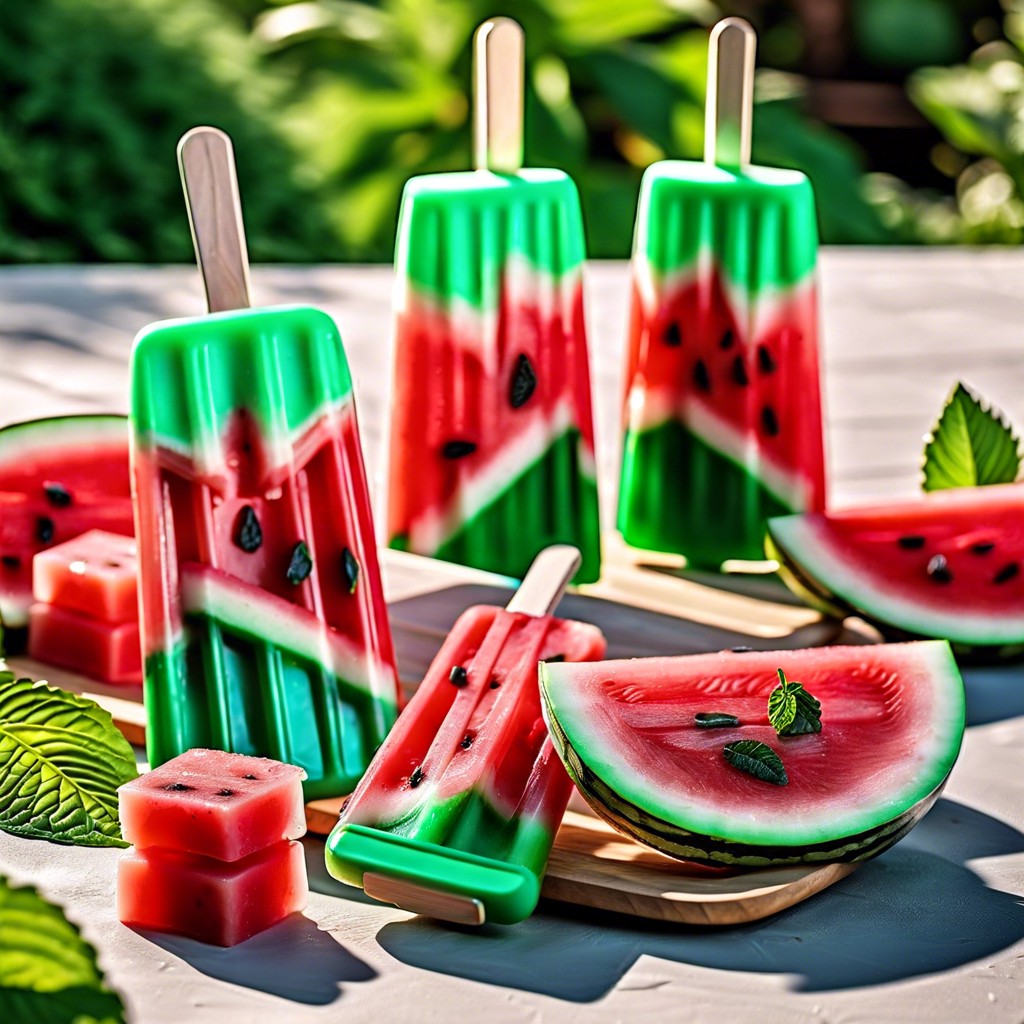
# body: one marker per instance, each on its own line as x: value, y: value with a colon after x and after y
x: 457, y: 231
x: 758, y: 224
x: 284, y: 365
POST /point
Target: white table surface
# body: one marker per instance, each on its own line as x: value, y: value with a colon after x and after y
x: 931, y: 931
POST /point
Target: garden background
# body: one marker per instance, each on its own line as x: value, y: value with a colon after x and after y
x: 908, y: 115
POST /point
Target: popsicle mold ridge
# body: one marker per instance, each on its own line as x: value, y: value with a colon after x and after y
x: 264, y: 624
x: 492, y: 453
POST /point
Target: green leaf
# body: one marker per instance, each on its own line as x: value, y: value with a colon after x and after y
x: 61, y: 761
x: 48, y: 972
x: 757, y: 759
x: 971, y: 445
x: 792, y: 711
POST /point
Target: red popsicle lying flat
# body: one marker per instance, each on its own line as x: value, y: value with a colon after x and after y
x: 207, y: 899
x: 207, y: 802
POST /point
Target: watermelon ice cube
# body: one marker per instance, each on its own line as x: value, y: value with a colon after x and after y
x: 466, y: 794
x: 492, y: 439
x: 109, y: 651
x: 96, y: 573
x: 213, y: 804
x: 722, y: 408
x: 213, y: 901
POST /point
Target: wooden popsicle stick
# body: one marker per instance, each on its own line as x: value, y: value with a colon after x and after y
x: 728, y: 115
x: 419, y: 899
x: 546, y: 580
x: 498, y: 75
x: 206, y: 160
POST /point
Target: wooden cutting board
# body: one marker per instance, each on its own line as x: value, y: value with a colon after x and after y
x: 645, y: 606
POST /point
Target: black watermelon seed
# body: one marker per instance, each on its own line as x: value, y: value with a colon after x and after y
x: 714, y: 720
x: 983, y: 547
x: 741, y: 649
x: 177, y: 787
x: 739, y: 372
x: 555, y: 658
x: 247, y: 533
x: 350, y: 569
x: 701, y: 377
x: 249, y: 776
x: 524, y: 383
x: 725, y: 342
x: 459, y: 676
x: 911, y: 542
x: 112, y: 565
x: 225, y: 792
x: 57, y: 495
x: 416, y: 778
x: 1007, y: 573
x: 765, y: 360
x: 770, y: 421
x: 44, y: 529
x: 495, y: 684
x: 300, y: 566
x: 673, y: 335
x: 939, y: 570
x: 458, y: 449
x: 10, y: 561
x: 466, y: 743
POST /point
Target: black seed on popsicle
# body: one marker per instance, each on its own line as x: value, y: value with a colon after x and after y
x: 524, y: 383
x: 57, y: 495
x: 495, y: 684
x: 765, y: 361
x: 701, y: 377
x: 300, y: 566
x: 225, y: 792
x: 416, y: 778
x: 458, y: 449
x: 249, y: 776
x: 247, y: 535
x: 44, y: 529
x: 983, y: 547
x: 939, y: 570
x: 739, y: 372
x: 911, y: 542
x: 725, y: 342
x: 673, y: 335
x: 459, y: 676
x: 10, y: 562
x: 466, y: 743
x: 1007, y: 573
x: 769, y: 421
x: 177, y: 787
x: 350, y: 569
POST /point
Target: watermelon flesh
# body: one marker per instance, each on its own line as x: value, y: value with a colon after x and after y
x: 466, y: 794
x: 948, y: 565
x: 892, y: 724
x: 492, y: 440
x: 59, y: 477
x: 257, y: 548
x: 722, y: 407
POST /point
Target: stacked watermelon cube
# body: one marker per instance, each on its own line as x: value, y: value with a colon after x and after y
x: 86, y: 611
x: 214, y: 855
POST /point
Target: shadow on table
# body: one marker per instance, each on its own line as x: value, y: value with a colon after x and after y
x: 909, y: 913
x: 294, y: 960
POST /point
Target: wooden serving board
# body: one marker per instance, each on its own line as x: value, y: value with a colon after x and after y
x: 645, y: 605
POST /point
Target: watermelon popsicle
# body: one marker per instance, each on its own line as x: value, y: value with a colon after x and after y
x: 456, y: 815
x: 492, y: 441
x: 722, y: 407
x: 263, y: 620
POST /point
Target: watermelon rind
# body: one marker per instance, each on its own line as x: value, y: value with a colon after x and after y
x: 699, y: 827
x: 818, y: 570
x: 53, y: 434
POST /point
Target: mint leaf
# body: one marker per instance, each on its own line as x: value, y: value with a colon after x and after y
x: 971, y: 445
x: 792, y: 711
x: 757, y: 759
x: 61, y: 761
x: 48, y: 972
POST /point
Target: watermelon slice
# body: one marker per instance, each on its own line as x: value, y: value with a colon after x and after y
x: 722, y: 405
x: 892, y: 724
x: 950, y: 564
x: 492, y: 450
x: 59, y: 477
